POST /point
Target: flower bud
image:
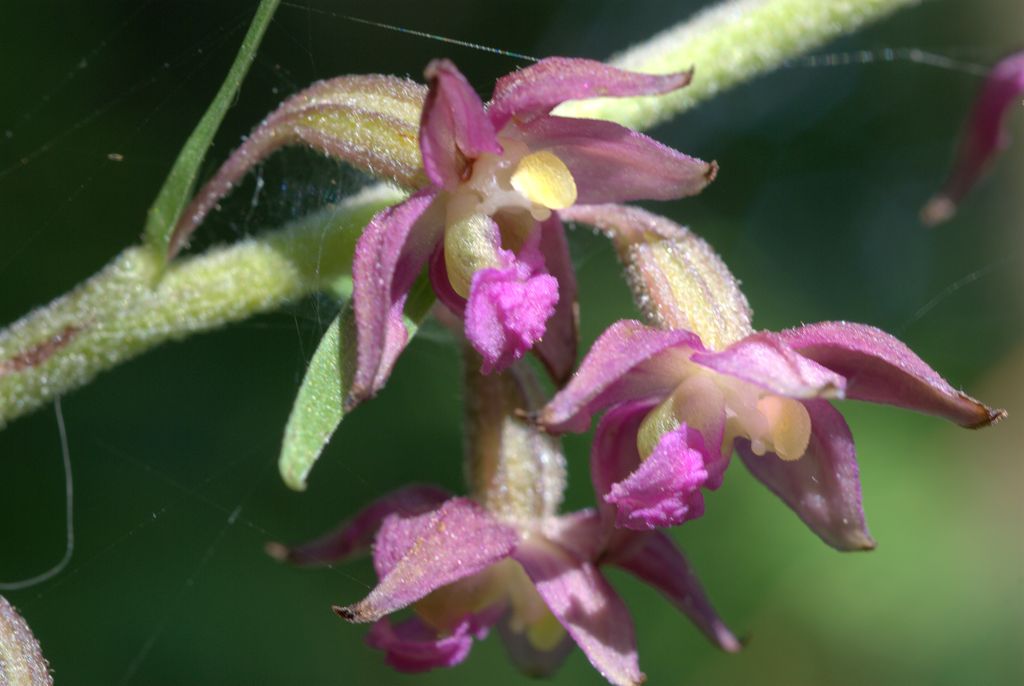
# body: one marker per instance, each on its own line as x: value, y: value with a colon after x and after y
x: 371, y: 122
x: 678, y: 280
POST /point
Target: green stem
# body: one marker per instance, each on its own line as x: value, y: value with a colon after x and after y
x: 727, y: 44
x: 124, y: 310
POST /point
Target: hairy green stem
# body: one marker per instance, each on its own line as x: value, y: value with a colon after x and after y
x: 726, y: 45
x: 124, y: 309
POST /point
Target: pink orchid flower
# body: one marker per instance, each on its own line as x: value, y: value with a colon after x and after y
x: 679, y: 405
x: 505, y: 558
x: 984, y: 136
x: 488, y: 220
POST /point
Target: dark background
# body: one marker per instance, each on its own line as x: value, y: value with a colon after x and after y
x: 823, y: 171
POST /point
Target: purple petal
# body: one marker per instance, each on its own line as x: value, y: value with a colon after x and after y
x: 587, y: 607
x: 454, y: 129
x: 389, y: 256
x: 412, y: 646
x: 611, y: 163
x: 613, y: 453
x: 416, y: 555
x: 557, y: 349
x: 541, y: 86
x: 823, y: 486
x: 984, y: 136
x: 665, y: 489
x: 442, y: 285
x: 354, y: 536
x: 653, y: 557
x: 766, y: 360
x: 629, y: 361
x: 879, y: 368
x: 581, y: 533
x: 508, y: 308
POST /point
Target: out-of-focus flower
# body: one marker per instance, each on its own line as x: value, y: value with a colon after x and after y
x: 21, y: 660
x: 681, y: 401
x: 488, y: 219
x: 505, y: 557
x: 983, y: 137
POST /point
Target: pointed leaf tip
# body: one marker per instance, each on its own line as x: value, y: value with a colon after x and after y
x: 318, y: 406
x: 170, y: 201
x: 325, y: 395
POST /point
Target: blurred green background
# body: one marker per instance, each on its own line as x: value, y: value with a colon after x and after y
x: 823, y: 171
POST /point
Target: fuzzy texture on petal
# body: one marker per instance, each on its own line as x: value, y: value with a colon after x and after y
x: 984, y: 136
x: 653, y: 557
x: 558, y: 346
x: 586, y: 606
x: 389, y: 256
x: 411, y: 646
x: 613, y: 453
x: 354, y: 536
x: 879, y: 368
x: 629, y: 361
x: 508, y: 308
x: 536, y: 89
x: 665, y: 489
x: 416, y: 555
x: 764, y: 359
x: 557, y: 349
x: 454, y: 129
x: 611, y: 163
x: 823, y: 486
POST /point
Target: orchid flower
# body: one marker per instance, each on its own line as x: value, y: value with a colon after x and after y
x: 490, y: 182
x: 983, y: 137
x: 681, y: 401
x: 505, y: 557
x: 488, y: 222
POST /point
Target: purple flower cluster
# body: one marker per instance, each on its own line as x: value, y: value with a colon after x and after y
x: 680, y: 393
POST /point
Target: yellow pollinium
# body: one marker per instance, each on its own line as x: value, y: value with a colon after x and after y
x: 545, y: 180
x: 789, y: 423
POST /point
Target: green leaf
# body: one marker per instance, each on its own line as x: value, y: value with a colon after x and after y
x: 177, y: 188
x: 318, y: 408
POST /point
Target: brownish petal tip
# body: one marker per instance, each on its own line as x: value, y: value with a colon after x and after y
x: 346, y: 613
x: 712, y: 171
x: 863, y: 543
x: 992, y: 416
